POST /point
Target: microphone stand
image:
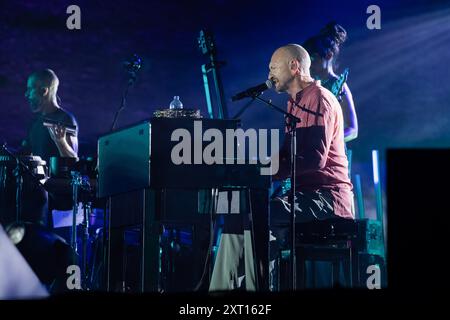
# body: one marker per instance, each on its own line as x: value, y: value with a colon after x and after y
x: 293, y: 120
x: 132, y: 69
x: 245, y: 107
x: 123, y: 101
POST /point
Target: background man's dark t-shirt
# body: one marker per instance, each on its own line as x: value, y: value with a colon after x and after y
x: 38, y: 140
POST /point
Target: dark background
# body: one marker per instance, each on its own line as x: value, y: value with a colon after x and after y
x: 399, y: 75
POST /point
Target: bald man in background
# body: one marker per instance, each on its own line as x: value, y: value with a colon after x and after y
x: 323, y: 189
x: 45, y: 141
x: 49, y: 141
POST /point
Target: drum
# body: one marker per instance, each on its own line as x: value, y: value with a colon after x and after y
x: 59, y: 184
x: 87, y: 167
x: 29, y: 176
x: 61, y: 167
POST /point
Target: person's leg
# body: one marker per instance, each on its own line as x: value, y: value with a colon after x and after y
x: 226, y: 271
x: 309, y: 206
x: 228, y: 265
x: 236, y: 257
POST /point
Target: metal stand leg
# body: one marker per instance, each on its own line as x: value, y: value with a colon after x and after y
x: 75, y: 183
x: 260, y: 236
x: 252, y: 233
x: 19, y: 187
x: 85, y: 228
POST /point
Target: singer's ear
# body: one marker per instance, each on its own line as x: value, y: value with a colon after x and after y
x: 293, y: 65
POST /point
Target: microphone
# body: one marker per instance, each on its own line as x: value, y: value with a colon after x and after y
x: 132, y: 66
x: 253, y: 91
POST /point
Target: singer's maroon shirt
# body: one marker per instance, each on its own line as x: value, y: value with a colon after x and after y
x: 321, y: 158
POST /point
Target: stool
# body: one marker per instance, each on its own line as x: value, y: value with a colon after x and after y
x: 336, y: 241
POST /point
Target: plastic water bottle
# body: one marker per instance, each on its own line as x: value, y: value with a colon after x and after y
x: 176, y: 103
